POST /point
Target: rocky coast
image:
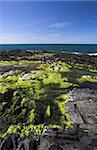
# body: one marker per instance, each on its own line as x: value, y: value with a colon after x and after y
x: 48, y: 101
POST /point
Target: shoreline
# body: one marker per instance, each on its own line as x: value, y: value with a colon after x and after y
x: 46, y: 56
x: 49, y: 50
x: 53, y: 51
x: 44, y: 79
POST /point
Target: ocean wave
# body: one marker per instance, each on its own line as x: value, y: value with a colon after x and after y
x: 80, y: 53
x: 92, y: 54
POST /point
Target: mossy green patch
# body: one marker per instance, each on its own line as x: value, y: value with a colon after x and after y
x: 88, y: 78
x: 48, y: 112
x: 34, y: 100
x: 93, y: 70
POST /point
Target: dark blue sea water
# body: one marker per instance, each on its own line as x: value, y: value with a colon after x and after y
x: 82, y: 48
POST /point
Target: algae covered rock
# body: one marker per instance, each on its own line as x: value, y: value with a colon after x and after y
x: 33, y: 98
x: 43, y: 104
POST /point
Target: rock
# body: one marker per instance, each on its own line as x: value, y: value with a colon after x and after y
x: 72, y: 130
x: 26, y: 76
x: 7, y: 143
x: 94, y: 141
x: 1, y: 140
x: 75, y: 116
x: 86, y: 143
x: 89, y: 129
x: 82, y: 94
x: 10, y: 142
x: 88, y: 111
x: 44, y: 144
x: 28, y: 143
x: 82, y: 108
x: 55, y: 147
x: 71, y: 145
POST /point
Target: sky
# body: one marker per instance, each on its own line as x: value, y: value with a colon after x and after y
x: 67, y: 22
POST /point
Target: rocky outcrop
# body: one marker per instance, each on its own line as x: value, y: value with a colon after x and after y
x: 82, y: 108
x: 14, y: 142
x: 71, y: 58
x: 81, y: 136
x: 74, y: 58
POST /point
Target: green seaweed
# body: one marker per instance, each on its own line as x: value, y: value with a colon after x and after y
x: 30, y: 104
x: 93, y: 70
x: 88, y: 78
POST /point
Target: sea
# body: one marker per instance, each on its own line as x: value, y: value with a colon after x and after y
x: 76, y: 48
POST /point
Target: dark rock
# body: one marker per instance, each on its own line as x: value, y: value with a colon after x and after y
x: 70, y: 58
x: 28, y: 143
x: 89, y: 129
x: 7, y: 143
x: 94, y: 141
x: 55, y: 147
x: 1, y: 140
x: 86, y: 143
x: 44, y: 144
x: 72, y: 130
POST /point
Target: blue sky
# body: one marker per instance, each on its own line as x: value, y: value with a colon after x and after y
x: 48, y: 22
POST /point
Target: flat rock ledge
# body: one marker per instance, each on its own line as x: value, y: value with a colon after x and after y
x: 82, y: 136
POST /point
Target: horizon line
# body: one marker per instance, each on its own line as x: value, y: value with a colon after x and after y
x: 48, y: 43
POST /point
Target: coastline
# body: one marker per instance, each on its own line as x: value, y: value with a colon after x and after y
x: 45, y: 78
x: 67, y: 57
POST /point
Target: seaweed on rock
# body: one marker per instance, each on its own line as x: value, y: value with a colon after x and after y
x: 41, y: 99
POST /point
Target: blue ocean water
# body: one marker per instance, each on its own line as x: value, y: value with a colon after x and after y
x: 82, y: 48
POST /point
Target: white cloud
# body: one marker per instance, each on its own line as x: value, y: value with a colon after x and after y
x: 59, y: 25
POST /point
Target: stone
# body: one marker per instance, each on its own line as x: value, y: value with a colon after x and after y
x: 7, y: 143
x: 75, y: 116
x: 71, y: 146
x: 89, y: 111
x: 86, y: 143
x: 1, y: 140
x: 90, y: 129
x: 72, y: 130
x: 82, y: 94
x: 28, y: 143
x: 94, y: 141
x: 44, y: 144
x: 55, y: 147
x: 26, y: 76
